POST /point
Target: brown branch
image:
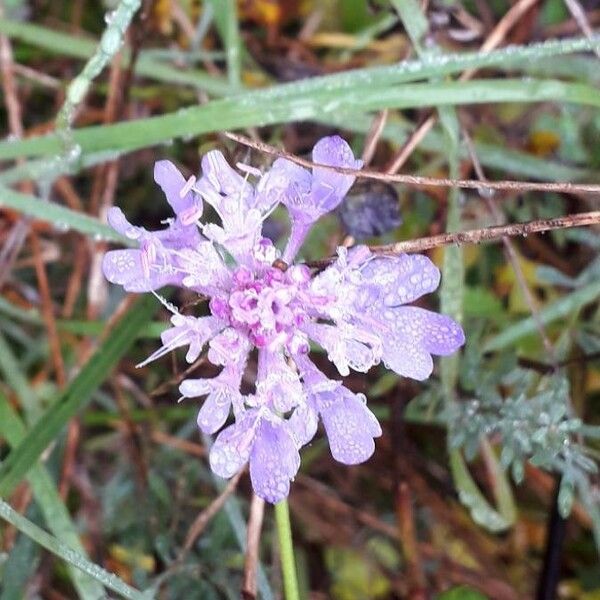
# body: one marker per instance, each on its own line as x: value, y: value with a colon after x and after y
x: 257, y: 511
x: 410, y: 545
x: 12, y: 246
x: 476, y: 236
x: 48, y: 311
x: 417, y: 180
x: 578, y: 14
x: 372, y: 139
x: 204, y: 518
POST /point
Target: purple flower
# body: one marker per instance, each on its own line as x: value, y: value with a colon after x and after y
x: 155, y: 263
x: 355, y: 309
x: 309, y: 196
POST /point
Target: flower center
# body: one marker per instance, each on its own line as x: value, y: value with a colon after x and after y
x: 269, y: 308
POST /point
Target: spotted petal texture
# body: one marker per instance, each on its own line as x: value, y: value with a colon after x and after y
x: 400, y: 279
x: 274, y: 460
x: 268, y: 397
x: 233, y: 445
x: 349, y: 424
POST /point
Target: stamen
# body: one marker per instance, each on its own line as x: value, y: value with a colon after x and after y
x: 170, y: 307
x: 249, y: 169
x: 163, y: 350
x: 192, y: 214
x: 189, y: 184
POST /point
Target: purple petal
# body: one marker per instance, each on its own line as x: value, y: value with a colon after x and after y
x: 274, y: 461
x: 404, y: 357
x: 221, y: 391
x: 172, y: 182
x: 415, y: 333
x: 187, y: 331
x: 213, y: 413
x: 438, y: 334
x: 124, y: 267
x: 349, y: 348
x: 277, y: 384
x: 179, y: 236
x: 118, y: 221
x: 228, y: 348
x: 349, y: 424
x: 221, y: 176
x: 233, y: 445
x: 215, y: 409
x: 401, y: 279
x: 303, y: 424
x: 328, y: 187
x: 286, y: 183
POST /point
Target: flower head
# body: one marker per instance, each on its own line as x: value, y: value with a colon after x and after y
x: 356, y: 310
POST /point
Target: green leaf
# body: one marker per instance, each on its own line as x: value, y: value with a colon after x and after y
x: 414, y: 20
x: 76, y: 395
x: 471, y: 496
x: 462, y: 592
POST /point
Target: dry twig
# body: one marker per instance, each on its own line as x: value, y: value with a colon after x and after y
x: 204, y: 518
x: 255, y: 520
x: 417, y: 180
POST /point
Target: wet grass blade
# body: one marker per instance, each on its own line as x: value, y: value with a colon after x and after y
x: 226, y: 19
x: 64, y: 218
x: 67, y: 553
x: 77, y: 394
x: 257, y: 109
x: 517, y: 57
x: 452, y: 291
x: 549, y: 313
x: 50, y: 503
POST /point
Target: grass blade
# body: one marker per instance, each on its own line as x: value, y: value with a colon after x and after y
x: 67, y: 553
x: 77, y: 394
x: 519, y: 58
x: 452, y: 292
x: 549, y: 313
x: 226, y: 19
x: 255, y: 109
x: 50, y: 503
x: 62, y: 217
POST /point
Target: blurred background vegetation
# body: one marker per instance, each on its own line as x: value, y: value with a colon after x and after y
x: 484, y: 483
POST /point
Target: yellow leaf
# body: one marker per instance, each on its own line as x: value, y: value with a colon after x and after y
x: 543, y: 143
x: 133, y: 558
x: 162, y: 11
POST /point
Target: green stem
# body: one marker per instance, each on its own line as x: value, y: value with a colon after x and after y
x: 286, y: 548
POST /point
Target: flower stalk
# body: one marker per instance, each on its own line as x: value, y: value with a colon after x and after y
x: 286, y: 549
